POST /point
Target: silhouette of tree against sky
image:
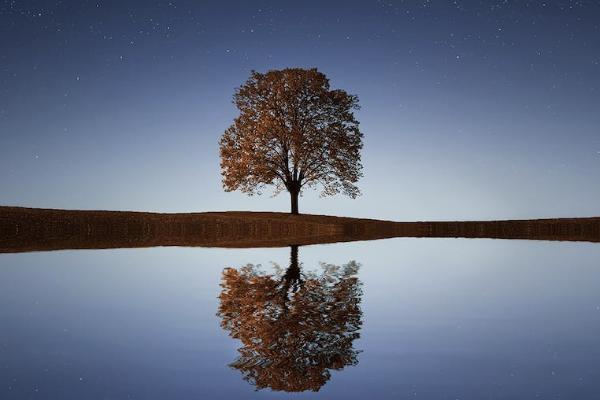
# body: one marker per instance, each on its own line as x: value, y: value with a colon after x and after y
x: 292, y: 132
x: 294, y: 327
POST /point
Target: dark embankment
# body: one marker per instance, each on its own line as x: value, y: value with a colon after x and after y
x: 29, y: 229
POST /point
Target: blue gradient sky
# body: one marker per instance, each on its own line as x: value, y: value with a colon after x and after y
x: 470, y: 110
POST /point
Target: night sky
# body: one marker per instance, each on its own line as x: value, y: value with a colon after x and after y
x: 470, y: 110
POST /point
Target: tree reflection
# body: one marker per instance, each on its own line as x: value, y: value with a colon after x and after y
x: 295, y: 327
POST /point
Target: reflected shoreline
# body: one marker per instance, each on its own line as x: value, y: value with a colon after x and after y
x: 30, y: 229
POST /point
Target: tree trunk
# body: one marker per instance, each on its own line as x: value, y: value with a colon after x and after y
x: 291, y: 279
x: 292, y: 274
x: 294, y: 198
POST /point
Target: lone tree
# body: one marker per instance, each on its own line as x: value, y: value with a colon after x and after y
x: 295, y: 327
x: 292, y: 132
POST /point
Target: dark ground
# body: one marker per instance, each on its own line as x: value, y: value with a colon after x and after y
x: 32, y: 229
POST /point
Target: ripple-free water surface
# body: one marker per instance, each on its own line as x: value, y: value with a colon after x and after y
x: 435, y: 319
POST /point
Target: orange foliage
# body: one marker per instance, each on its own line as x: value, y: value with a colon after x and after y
x: 294, y: 327
x: 292, y: 132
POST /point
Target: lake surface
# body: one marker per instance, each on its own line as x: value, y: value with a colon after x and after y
x: 397, y: 318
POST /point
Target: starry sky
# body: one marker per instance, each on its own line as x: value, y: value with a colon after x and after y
x: 470, y: 110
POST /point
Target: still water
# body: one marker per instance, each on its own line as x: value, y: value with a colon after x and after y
x: 397, y: 318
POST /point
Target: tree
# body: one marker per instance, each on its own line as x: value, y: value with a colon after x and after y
x: 294, y: 327
x: 292, y: 132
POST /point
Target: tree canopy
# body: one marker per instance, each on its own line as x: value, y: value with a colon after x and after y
x: 292, y: 132
x: 293, y: 329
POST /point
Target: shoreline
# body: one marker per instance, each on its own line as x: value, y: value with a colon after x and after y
x: 35, y: 229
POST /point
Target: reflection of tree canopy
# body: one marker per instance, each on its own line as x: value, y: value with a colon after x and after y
x: 294, y: 329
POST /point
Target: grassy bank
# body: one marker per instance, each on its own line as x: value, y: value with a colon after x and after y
x: 31, y: 229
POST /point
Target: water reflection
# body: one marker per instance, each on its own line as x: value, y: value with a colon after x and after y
x: 295, y: 326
